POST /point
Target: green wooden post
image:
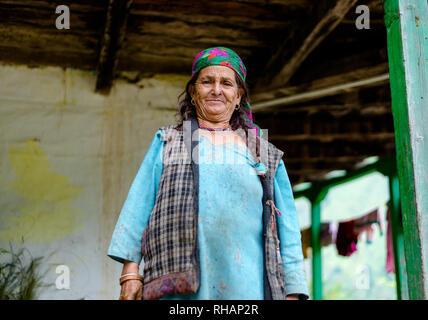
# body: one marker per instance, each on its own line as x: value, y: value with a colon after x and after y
x: 397, y: 238
x: 316, y: 250
x: 316, y: 198
x: 407, y: 39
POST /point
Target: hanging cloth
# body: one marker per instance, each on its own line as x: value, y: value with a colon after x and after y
x: 389, y: 266
x: 366, y: 224
x: 346, y: 240
x: 349, y: 231
x: 327, y: 236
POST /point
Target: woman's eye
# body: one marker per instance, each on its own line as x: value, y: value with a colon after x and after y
x: 229, y: 84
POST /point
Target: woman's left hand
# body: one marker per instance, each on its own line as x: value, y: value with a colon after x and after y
x: 131, y: 290
x: 292, y: 297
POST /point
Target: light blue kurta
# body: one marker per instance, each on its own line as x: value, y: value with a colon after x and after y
x: 230, y: 222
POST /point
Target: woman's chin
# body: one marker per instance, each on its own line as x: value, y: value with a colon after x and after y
x: 216, y: 109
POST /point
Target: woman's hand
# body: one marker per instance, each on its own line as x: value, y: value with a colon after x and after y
x: 131, y: 289
x: 292, y: 297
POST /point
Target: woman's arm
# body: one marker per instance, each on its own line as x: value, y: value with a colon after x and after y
x: 130, y: 267
x: 131, y: 289
x: 125, y: 245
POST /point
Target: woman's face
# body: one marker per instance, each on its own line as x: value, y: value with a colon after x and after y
x: 216, y: 93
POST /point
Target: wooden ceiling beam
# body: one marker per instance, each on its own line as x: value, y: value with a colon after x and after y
x: 330, y: 160
x: 323, y: 123
x: 326, y: 24
x: 114, y: 33
x: 80, y: 6
x: 341, y: 77
x: 327, y: 86
x: 307, y: 171
x: 336, y: 148
x: 296, y: 178
x: 28, y: 35
x: 225, y: 8
x: 357, y: 136
x: 319, y: 93
x: 336, y: 109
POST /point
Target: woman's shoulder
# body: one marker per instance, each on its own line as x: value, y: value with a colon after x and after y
x: 270, y: 146
x: 165, y: 133
x: 168, y: 127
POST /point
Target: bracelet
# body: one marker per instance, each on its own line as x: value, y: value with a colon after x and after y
x: 127, y: 277
x: 130, y: 278
x: 134, y: 274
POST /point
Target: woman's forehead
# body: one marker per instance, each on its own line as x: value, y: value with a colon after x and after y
x: 217, y: 72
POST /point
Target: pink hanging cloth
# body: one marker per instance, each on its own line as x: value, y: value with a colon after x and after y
x: 389, y: 266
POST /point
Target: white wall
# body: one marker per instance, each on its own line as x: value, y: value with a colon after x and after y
x: 67, y: 159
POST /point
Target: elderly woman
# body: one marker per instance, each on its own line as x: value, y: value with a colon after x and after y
x: 211, y: 211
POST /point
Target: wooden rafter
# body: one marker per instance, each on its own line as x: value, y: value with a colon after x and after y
x: 361, y: 137
x: 345, y: 82
x: 335, y: 148
x: 330, y: 160
x: 338, y: 109
x: 306, y: 96
x: 326, y: 24
x: 114, y: 33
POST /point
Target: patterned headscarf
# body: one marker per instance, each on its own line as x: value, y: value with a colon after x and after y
x: 221, y: 56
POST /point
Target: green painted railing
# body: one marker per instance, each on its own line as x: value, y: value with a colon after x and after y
x: 317, y: 192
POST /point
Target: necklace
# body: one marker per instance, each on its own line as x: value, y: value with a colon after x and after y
x: 215, y: 129
x: 212, y: 132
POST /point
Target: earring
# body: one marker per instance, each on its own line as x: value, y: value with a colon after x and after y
x: 192, y: 102
x: 237, y: 107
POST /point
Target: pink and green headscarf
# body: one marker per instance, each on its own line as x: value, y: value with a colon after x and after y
x: 221, y: 56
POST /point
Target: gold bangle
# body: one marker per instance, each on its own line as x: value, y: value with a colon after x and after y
x: 130, y: 277
x: 124, y: 280
x: 133, y: 274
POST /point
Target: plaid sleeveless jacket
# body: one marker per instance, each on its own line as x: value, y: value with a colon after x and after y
x: 170, y: 239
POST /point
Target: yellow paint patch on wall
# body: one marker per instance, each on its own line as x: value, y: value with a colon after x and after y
x: 45, y: 213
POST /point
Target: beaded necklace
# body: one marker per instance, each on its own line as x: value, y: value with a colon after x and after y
x: 215, y: 129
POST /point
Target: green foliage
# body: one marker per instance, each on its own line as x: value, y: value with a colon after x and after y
x: 20, y: 278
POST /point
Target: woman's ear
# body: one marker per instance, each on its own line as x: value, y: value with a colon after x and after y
x: 191, y: 90
x: 240, y: 93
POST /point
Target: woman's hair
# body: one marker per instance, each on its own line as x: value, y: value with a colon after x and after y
x: 186, y: 109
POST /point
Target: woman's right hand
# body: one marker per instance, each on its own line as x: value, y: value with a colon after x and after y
x: 132, y: 290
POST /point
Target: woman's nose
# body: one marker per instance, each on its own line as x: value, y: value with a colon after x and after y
x: 217, y: 88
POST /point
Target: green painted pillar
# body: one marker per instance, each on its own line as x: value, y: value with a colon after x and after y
x: 397, y: 238
x: 316, y: 250
x: 316, y: 198
x: 407, y: 39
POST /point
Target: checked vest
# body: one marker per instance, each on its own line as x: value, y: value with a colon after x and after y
x: 170, y: 239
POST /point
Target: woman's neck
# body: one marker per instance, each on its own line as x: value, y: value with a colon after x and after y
x: 213, y: 125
